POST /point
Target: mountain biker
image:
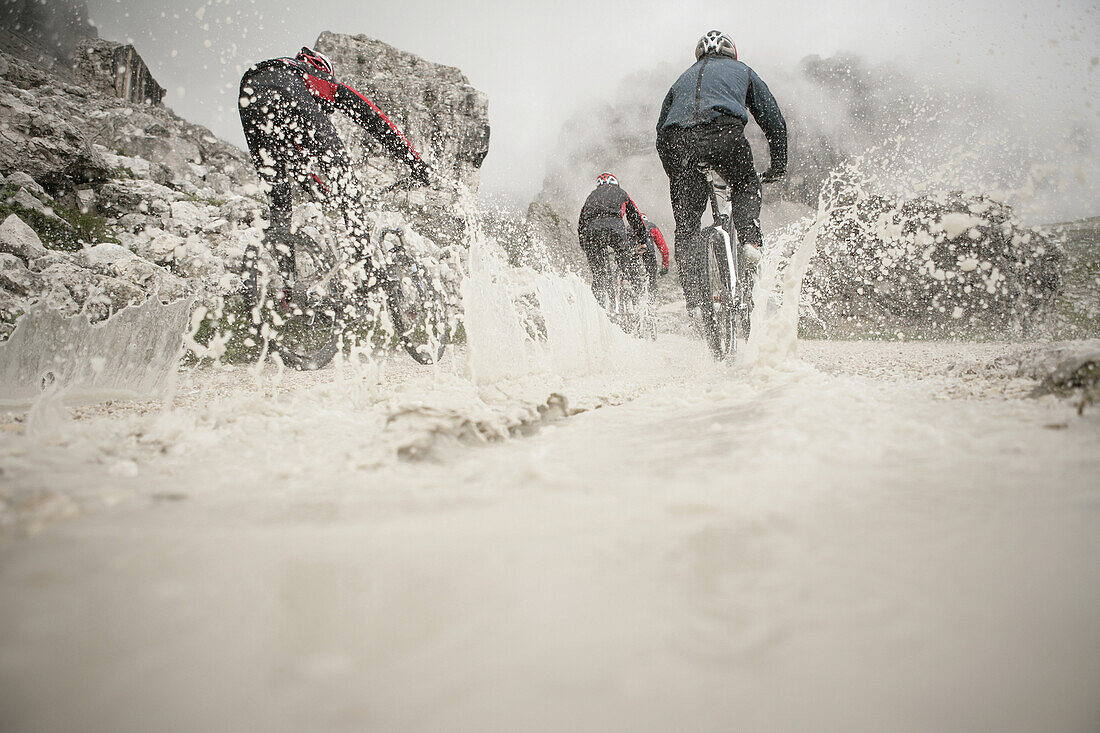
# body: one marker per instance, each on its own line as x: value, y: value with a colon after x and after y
x: 702, y: 124
x: 603, y: 225
x: 655, y: 242
x: 285, y: 105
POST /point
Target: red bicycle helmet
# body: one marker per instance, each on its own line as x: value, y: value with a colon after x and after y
x: 316, y: 59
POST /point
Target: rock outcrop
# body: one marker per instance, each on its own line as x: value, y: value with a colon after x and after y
x: 105, y: 200
x: 116, y: 68
x: 555, y: 235
x: 107, y: 197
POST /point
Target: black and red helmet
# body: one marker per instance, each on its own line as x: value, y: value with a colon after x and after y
x: 606, y: 178
x: 316, y: 59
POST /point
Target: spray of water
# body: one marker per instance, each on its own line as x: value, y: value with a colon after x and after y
x: 133, y: 354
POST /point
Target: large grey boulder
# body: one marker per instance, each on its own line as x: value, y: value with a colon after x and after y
x: 555, y: 234
x: 434, y: 105
x: 945, y: 265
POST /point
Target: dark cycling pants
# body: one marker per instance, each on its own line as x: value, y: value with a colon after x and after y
x: 722, y: 147
x: 290, y: 138
x: 597, y: 238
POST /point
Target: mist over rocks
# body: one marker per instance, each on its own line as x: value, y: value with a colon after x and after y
x: 910, y: 134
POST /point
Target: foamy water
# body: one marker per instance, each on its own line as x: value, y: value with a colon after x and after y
x: 561, y: 528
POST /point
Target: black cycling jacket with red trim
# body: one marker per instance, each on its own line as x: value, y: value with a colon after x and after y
x: 609, y: 203
x: 333, y: 94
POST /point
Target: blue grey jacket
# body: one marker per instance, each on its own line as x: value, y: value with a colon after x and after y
x: 718, y: 86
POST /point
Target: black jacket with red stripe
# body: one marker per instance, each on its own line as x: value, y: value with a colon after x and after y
x: 334, y: 95
x: 608, y: 204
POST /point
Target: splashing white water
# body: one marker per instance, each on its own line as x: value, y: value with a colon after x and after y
x: 776, y: 296
x: 134, y: 353
x: 521, y: 321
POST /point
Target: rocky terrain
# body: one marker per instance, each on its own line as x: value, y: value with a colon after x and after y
x: 107, y: 201
x: 948, y: 265
x: 109, y: 197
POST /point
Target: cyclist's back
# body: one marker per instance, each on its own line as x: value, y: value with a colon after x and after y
x: 284, y: 107
x: 701, y: 125
x: 603, y: 226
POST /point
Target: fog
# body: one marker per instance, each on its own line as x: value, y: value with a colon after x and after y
x: 544, y: 63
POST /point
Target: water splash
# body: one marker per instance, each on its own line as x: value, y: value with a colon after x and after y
x: 133, y: 354
x: 525, y: 319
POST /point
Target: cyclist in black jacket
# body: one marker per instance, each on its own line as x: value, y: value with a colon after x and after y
x: 702, y: 124
x: 602, y: 226
x: 285, y: 105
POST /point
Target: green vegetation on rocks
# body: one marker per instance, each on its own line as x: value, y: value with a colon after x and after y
x: 67, y: 233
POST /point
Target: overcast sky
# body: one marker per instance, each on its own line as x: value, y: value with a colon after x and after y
x: 541, y: 61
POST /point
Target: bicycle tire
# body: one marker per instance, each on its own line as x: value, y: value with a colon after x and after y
x: 302, y: 325
x: 719, y: 319
x: 416, y: 309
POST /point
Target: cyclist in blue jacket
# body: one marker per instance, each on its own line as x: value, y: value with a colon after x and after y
x: 702, y: 124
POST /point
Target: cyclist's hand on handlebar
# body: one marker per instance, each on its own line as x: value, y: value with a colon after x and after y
x: 772, y: 175
x: 664, y: 271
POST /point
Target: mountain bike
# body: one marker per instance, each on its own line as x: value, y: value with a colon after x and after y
x: 727, y: 287
x: 343, y: 289
x: 628, y: 305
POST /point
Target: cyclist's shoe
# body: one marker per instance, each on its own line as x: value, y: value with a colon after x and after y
x: 772, y: 175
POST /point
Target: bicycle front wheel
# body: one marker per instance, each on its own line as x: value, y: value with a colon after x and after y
x: 299, y: 317
x: 417, y: 310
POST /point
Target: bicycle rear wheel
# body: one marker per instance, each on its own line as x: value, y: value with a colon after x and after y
x: 300, y: 316
x: 719, y: 320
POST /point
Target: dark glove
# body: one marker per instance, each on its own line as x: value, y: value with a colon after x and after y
x: 664, y: 270
x: 772, y: 175
x: 420, y: 174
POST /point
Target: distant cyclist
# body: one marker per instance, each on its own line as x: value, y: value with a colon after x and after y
x: 653, y: 247
x: 285, y: 105
x: 702, y: 124
x: 603, y: 225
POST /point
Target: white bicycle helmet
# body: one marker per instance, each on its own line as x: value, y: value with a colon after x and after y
x: 715, y: 42
x: 605, y: 178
